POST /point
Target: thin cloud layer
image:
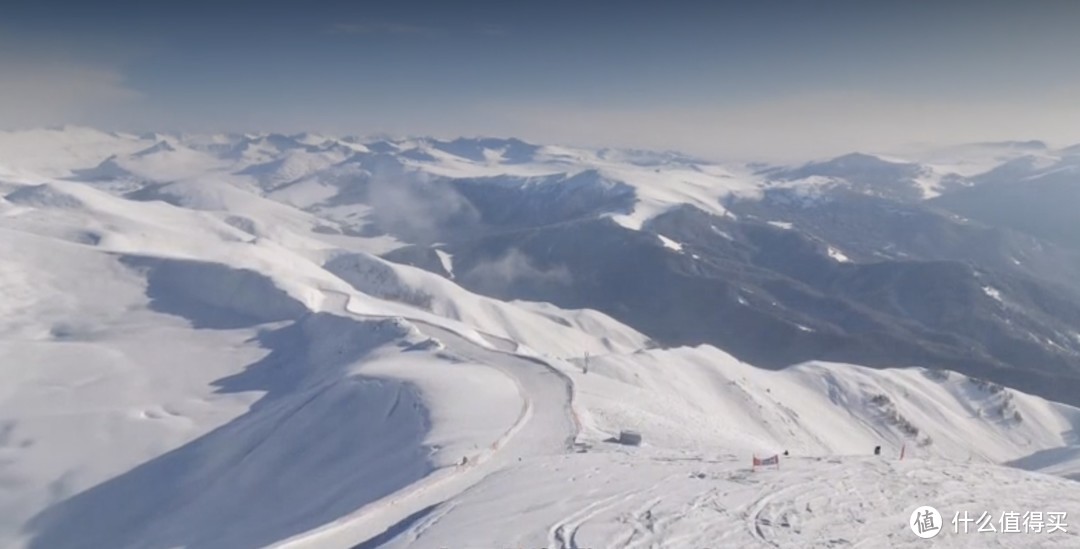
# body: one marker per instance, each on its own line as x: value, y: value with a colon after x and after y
x: 56, y: 92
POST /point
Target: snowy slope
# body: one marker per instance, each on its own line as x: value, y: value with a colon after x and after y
x: 657, y: 499
x: 163, y: 161
x: 56, y: 152
x: 690, y: 397
x: 145, y: 397
x: 302, y: 174
x: 202, y: 357
x: 525, y: 327
x: 976, y: 158
x: 703, y: 415
x: 310, y: 171
x: 181, y: 340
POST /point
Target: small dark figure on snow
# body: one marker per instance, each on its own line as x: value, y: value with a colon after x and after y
x: 877, y: 450
x: 785, y: 453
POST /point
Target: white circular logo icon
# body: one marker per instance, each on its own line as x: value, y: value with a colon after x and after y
x: 925, y: 522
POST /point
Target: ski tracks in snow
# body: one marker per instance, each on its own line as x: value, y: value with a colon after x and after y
x: 546, y: 425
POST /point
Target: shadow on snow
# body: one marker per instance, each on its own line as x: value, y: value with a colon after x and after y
x: 321, y: 443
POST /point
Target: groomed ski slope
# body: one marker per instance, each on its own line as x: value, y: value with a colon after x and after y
x: 682, y: 490
x: 653, y: 498
x: 547, y: 426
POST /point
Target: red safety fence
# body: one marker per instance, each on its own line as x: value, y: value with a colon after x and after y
x: 761, y: 462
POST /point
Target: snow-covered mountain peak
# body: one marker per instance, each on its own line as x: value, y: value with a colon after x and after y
x: 162, y: 146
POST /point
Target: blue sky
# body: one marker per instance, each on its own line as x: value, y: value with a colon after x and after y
x: 743, y: 79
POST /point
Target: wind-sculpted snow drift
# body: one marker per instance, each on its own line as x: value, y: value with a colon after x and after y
x: 311, y: 341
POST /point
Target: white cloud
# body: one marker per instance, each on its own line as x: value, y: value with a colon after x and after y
x: 52, y: 91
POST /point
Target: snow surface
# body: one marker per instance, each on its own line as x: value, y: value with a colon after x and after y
x: 664, y: 499
x: 195, y: 353
x: 669, y: 243
x: 976, y: 158
x: 838, y: 256
x: 447, y: 261
x: 704, y: 398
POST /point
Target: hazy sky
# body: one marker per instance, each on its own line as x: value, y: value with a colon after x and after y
x: 765, y: 79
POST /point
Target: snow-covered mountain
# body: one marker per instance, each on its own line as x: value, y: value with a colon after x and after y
x: 319, y: 341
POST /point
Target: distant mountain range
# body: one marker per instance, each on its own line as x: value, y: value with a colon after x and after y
x: 967, y: 260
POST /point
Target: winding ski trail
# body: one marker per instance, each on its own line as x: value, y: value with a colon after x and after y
x: 547, y: 425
